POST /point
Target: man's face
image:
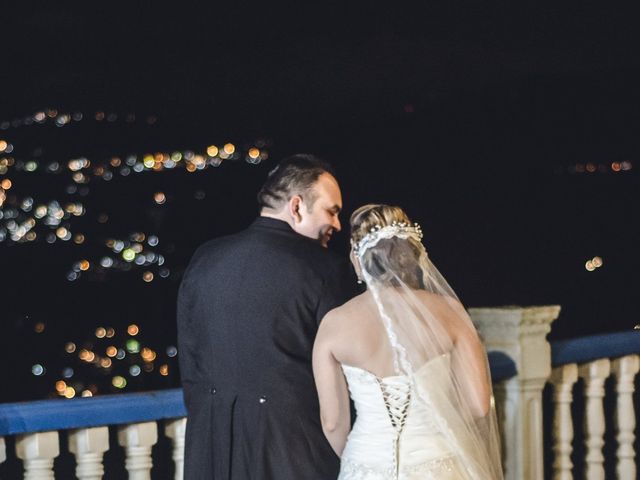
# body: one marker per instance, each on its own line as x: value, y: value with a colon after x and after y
x: 322, y: 220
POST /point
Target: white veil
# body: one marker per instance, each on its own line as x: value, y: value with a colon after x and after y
x: 425, y: 322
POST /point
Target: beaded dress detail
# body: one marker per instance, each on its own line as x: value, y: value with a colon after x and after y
x: 396, y: 435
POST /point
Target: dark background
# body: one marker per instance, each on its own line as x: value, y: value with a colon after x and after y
x: 472, y: 117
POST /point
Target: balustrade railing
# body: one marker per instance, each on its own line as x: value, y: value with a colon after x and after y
x: 589, y: 362
x: 593, y: 360
x: 522, y: 362
x: 37, y: 426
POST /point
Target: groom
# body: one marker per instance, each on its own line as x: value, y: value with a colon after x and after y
x: 248, y: 310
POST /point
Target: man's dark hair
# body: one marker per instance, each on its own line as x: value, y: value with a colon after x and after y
x: 294, y: 175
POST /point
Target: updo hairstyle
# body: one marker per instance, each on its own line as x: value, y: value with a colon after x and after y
x: 391, y: 261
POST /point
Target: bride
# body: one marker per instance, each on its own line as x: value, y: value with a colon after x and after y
x: 409, y: 357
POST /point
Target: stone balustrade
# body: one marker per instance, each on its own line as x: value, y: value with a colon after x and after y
x: 522, y: 362
x: 573, y: 367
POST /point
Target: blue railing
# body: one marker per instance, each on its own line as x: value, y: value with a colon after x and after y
x: 47, y: 415
x: 593, y: 347
x: 502, y: 366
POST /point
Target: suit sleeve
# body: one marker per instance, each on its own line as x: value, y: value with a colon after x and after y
x: 186, y: 336
x: 338, y: 287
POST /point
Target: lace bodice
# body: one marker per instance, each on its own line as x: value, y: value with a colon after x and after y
x: 396, y: 434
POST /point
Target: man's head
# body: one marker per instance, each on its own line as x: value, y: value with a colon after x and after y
x: 303, y: 192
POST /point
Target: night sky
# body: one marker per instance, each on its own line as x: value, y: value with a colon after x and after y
x: 481, y: 121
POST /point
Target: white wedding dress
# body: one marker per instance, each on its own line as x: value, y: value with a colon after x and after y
x: 399, y: 433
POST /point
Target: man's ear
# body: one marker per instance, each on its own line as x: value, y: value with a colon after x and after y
x: 295, y: 206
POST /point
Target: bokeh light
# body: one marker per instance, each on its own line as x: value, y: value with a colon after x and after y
x: 132, y: 345
x: 119, y: 381
x: 133, y: 329
x: 148, y: 355
x: 159, y: 198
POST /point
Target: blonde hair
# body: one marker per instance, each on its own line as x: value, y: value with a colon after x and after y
x: 403, y: 258
x: 371, y: 215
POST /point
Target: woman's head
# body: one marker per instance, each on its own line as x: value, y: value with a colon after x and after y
x: 392, y: 260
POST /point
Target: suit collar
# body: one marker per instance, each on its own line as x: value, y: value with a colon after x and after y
x: 273, y: 223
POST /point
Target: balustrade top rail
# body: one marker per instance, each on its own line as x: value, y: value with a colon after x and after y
x: 46, y: 415
x: 593, y: 347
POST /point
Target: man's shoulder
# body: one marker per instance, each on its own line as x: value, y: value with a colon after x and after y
x: 321, y: 255
x: 215, y: 246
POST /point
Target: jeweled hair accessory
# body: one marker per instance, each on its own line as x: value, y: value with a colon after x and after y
x: 396, y: 229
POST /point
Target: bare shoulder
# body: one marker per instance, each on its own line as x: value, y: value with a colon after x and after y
x: 448, y: 310
x: 345, y: 310
x: 339, y: 320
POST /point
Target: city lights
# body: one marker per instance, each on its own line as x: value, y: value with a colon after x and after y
x: 26, y: 219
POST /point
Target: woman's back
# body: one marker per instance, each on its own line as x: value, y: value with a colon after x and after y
x: 396, y: 434
x: 361, y: 339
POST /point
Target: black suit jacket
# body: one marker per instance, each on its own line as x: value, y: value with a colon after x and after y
x: 248, y: 310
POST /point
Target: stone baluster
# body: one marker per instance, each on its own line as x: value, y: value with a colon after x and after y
x: 37, y: 451
x: 625, y: 369
x: 137, y: 439
x: 88, y: 445
x: 563, y: 378
x: 521, y: 333
x: 175, y: 430
x: 594, y: 375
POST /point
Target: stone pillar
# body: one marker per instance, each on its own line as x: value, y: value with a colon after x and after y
x: 176, y: 430
x: 37, y: 451
x: 89, y: 445
x: 625, y: 369
x: 138, y: 439
x: 563, y: 379
x: 594, y: 375
x: 521, y: 333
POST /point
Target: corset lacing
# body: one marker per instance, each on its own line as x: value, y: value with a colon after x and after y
x: 397, y: 397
